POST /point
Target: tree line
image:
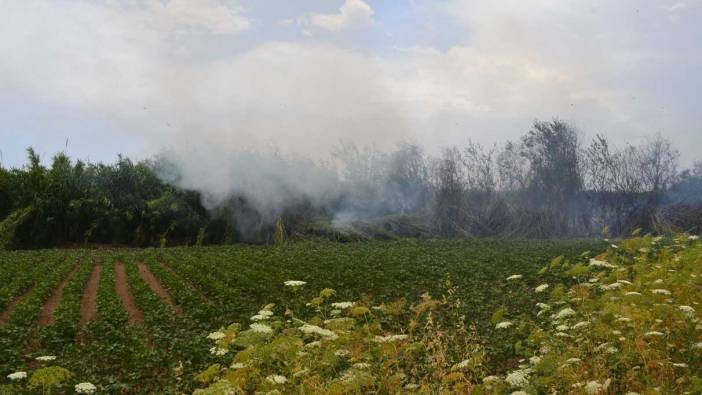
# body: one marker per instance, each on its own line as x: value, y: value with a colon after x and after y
x: 548, y: 183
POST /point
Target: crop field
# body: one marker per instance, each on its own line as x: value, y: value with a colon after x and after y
x: 136, y: 321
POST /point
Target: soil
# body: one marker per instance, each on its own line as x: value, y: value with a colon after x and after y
x: 46, y: 315
x: 156, y: 286
x: 136, y: 317
x: 88, y: 303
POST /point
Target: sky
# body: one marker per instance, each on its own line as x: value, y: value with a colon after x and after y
x: 208, y: 77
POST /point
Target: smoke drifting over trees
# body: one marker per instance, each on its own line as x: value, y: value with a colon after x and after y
x: 548, y: 183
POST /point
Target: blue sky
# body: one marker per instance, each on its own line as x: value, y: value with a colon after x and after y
x: 213, y: 76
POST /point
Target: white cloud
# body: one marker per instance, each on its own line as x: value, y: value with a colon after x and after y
x: 212, y: 16
x: 352, y: 14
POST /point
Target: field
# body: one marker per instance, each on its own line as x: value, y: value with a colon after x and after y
x: 136, y: 321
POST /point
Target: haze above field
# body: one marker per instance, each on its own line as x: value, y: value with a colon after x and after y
x: 202, y: 78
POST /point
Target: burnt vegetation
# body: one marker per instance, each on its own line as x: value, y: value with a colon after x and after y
x: 547, y: 184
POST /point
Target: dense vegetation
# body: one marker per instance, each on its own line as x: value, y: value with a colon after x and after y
x: 544, y: 185
x: 159, y: 343
x: 625, y: 322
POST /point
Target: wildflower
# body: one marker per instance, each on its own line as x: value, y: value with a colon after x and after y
x: 573, y: 360
x: 216, y: 336
x: 294, y: 283
x: 462, y: 365
x: 277, y: 379
x: 17, y: 376
x: 611, y: 287
x: 541, y: 288
x: 520, y: 392
x: 565, y: 313
x: 597, y: 263
x: 626, y: 282
x: 490, y: 379
x: 259, y: 317
x: 535, y: 360
x: 342, y: 353
x: 680, y: 365
x: 45, y: 358
x: 503, y: 325
x: 218, y: 351
x: 580, y: 325
x: 543, y: 306
x: 518, y: 378
x: 237, y: 365
x: 315, y: 330
x: 261, y: 328
x: 411, y: 386
x: 632, y: 293
x: 689, y: 311
x: 389, y: 339
x: 593, y: 387
x: 653, y: 334
x: 562, y: 328
x: 361, y: 365
x: 660, y: 291
x: 343, y: 305
x: 616, y: 247
x: 313, y: 344
x: 514, y: 277
x: 693, y: 238
x: 85, y: 388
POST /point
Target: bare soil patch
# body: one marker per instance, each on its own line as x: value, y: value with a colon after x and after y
x: 136, y: 317
x: 156, y: 286
x: 46, y: 315
x: 88, y: 302
x: 5, y: 315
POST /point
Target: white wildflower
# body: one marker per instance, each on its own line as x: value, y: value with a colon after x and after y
x: 633, y: 293
x: 593, y: 387
x: 411, y: 386
x: 389, y: 338
x: 611, y: 287
x: 660, y: 291
x: 598, y: 263
x: 693, y: 238
x: 573, y: 360
x: 680, y: 365
x: 697, y: 346
x: 261, y: 328
x: 689, y: 311
x: 85, y: 388
x: 535, y: 360
x: 580, y: 324
x: 543, y: 306
x: 277, y: 379
x: 626, y: 282
x: 562, y: 328
x: 653, y: 334
x: 518, y: 378
x: 361, y: 365
x: 301, y: 372
x: 520, y: 392
x: 17, y: 376
x: 237, y: 365
x: 565, y: 313
x: 343, y: 305
x: 294, y: 283
x: 45, y: 358
x: 315, y: 330
x: 342, y: 353
x: 313, y: 344
x: 541, y: 288
x: 216, y: 336
x: 514, y: 277
x: 259, y: 317
x: 503, y: 325
x: 218, y: 351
